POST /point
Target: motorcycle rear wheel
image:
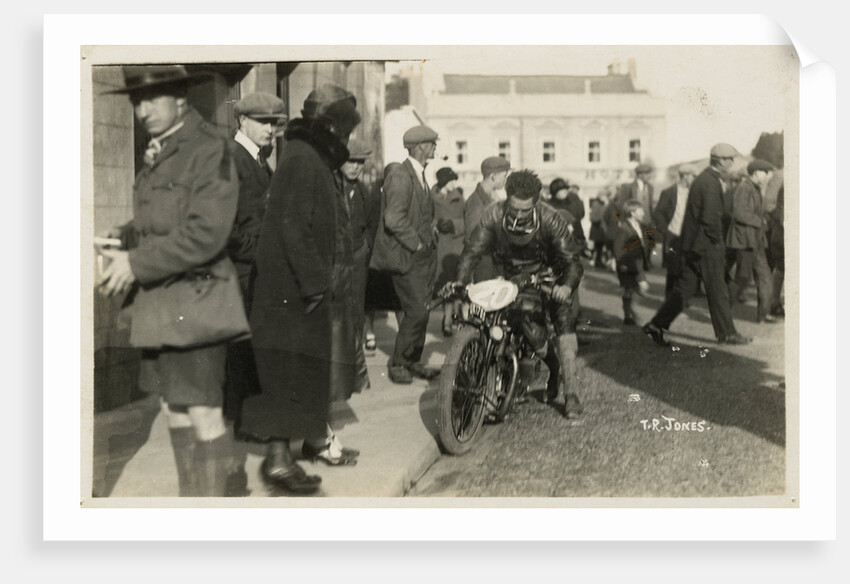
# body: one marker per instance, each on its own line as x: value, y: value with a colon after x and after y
x: 461, y: 396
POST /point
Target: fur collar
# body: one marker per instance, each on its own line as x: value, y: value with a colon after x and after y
x: 318, y: 135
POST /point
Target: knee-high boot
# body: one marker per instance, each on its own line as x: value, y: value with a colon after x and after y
x: 553, y: 385
x: 183, y: 443
x: 567, y: 353
x: 628, y: 313
x: 212, y: 462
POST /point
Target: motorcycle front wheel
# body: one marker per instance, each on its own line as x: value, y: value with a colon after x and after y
x: 461, y: 397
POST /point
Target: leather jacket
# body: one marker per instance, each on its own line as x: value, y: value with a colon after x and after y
x: 553, y: 246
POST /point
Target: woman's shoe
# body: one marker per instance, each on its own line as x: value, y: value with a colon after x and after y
x: 371, y: 344
x: 344, y: 456
x: 290, y: 478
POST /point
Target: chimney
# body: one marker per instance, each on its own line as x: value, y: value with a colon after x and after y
x: 587, y: 85
x: 632, y: 69
x: 614, y: 68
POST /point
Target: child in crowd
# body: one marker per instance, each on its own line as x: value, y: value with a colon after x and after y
x: 631, y: 250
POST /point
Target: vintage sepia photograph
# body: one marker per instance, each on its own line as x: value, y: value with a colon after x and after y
x: 444, y: 275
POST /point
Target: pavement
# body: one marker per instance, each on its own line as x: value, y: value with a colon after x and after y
x: 394, y: 426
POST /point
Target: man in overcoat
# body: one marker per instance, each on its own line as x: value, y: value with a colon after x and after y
x: 494, y: 172
x: 669, y: 215
x: 410, y: 236
x: 704, y: 254
x: 747, y: 233
x: 184, y: 204
x: 302, y: 309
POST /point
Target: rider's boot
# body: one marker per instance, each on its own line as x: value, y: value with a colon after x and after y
x: 553, y: 386
x: 567, y: 353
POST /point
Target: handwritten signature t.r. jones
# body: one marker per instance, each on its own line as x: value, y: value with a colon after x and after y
x: 673, y: 425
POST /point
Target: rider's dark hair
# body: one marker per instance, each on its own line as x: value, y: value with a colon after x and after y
x: 523, y: 184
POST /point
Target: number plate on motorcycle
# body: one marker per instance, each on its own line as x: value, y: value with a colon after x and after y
x: 476, y: 310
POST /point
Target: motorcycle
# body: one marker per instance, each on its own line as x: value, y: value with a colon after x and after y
x: 494, y: 356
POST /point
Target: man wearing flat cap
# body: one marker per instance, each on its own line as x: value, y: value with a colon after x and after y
x: 494, y: 172
x: 669, y: 215
x: 405, y: 245
x: 258, y: 115
x: 747, y: 234
x: 184, y: 203
x: 640, y: 190
x: 364, y: 209
x: 704, y: 251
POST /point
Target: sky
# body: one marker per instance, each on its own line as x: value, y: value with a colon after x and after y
x: 714, y: 94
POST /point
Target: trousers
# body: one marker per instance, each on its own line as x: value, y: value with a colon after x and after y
x: 414, y: 289
x: 709, y: 267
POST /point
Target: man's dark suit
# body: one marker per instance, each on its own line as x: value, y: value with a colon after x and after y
x: 704, y: 254
x: 409, y: 218
x: 672, y: 254
x: 254, y: 179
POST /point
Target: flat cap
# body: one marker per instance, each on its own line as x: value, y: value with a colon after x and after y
x: 494, y: 164
x: 758, y: 164
x: 358, y: 149
x: 418, y: 135
x: 260, y: 105
x: 723, y: 150
x: 643, y: 169
x: 688, y: 168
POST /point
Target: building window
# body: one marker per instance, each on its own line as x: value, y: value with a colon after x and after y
x: 548, y: 151
x: 594, y: 151
x: 634, y: 150
x: 504, y: 149
x: 461, y: 151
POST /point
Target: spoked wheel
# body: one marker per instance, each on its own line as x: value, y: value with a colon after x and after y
x: 463, y: 382
x: 504, y: 375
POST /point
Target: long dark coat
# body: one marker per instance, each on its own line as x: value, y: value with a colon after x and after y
x: 303, y: 360
x: 702, y: 228
x: 449, y: 205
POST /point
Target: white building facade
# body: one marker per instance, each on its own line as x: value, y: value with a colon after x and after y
x: 592, y: 130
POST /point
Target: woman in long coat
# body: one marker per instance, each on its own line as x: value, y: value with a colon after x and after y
x: 302, y: 309
x: 448, y: 208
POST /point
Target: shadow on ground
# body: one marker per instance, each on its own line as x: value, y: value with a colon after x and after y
x: 117, y: 437
x: 705, y: 380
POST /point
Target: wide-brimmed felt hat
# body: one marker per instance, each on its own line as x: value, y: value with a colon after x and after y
x: 147, y: 77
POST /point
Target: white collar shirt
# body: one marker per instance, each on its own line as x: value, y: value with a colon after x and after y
x: 252, y: 148
x: 678, y: 218
x: 420, y: 171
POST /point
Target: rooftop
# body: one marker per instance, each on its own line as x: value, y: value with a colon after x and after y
x: 538, y: 84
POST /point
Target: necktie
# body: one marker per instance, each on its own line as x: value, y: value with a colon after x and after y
x: 154, y: 148
x: 425, y: 182
x: 264, y: 164
x: 156, y: 145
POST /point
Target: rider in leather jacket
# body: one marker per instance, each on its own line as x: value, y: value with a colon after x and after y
x: 525, y: 236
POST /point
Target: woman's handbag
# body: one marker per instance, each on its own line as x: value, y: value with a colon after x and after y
x: 201, y: 307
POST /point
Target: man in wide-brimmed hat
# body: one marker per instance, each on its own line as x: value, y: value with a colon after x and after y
x: 185, y: 199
